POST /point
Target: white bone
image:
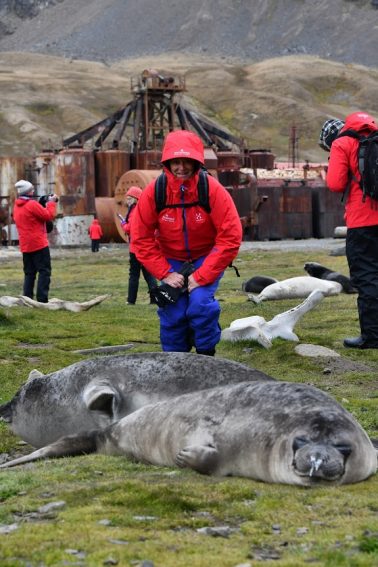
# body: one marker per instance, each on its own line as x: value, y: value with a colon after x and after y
x: 53, y: 304
x: 281, y: 326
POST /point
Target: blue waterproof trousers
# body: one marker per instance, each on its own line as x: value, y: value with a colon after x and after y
x: 193, y: 320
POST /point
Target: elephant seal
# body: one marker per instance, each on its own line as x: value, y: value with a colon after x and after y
x: 292, y: 288
x: 94, y: 393
x: 318, y: 271
x: 277, y: 432
x: 257, y: 284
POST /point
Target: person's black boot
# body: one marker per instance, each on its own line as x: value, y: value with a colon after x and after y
x: 210, y: 352
x: 360, y: 342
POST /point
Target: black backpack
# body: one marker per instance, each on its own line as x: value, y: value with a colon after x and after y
x: 203, y: 197
x: 367, y: 162
x: 202, y: 188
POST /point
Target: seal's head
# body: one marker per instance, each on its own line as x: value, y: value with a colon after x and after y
x: 318, y: 461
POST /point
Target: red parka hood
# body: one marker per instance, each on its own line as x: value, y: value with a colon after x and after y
x: 183, y: 144
x: 21, y: 201
x: 359, y: 121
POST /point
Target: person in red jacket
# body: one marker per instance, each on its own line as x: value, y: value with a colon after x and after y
x: 95, y: 234
x: 361, y: 217
x: 30, y: 218
x: 184, y: 231
x: 132, y: 196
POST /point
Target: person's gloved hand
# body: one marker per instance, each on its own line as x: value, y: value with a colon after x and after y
x: 165, y: 294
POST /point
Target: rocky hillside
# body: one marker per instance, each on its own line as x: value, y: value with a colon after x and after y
x: 110, y: 30
x: 256, y: 67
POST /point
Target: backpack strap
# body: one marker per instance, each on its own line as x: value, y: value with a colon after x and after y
x: 202, y: 189
x: 160, y: 192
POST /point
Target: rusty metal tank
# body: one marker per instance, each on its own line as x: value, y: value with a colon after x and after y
x: 147, y: 159
x: 287, y: 212
x: 228, y: 168
x: 134, y: 177
x: 11, y: 170
x: 259, y: 159
x: 44, y: 164
x: 327, y: 210
x: 105, y: 212
x: 110, y: 165
x: 75, y: 181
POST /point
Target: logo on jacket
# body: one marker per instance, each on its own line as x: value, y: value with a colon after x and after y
x: 167, y: 218
x: 181, y: 152
x: 199, y: 217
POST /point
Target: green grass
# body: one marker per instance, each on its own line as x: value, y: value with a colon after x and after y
x: 155, y: 512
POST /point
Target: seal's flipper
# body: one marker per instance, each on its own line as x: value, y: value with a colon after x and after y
x: 65, y: 447
x: 201, y: 458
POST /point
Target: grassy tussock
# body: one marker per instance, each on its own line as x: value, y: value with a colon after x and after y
x: 154, y: 512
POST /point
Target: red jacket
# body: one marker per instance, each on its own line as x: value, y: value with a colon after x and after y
x: 342, y: 161
x: 126, y: 226
x: 158, y: 236
x: 30, y: 218
x: 95, y: 230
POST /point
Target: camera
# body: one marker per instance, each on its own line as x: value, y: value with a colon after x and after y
x: 46, y: 198
x: 165, y: 294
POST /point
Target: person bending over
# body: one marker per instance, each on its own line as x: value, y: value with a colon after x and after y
x: 184, y: 231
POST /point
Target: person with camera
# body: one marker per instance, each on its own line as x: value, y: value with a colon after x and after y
x: 187, y: 246
x: 361, y: 218
x: 31, y: 218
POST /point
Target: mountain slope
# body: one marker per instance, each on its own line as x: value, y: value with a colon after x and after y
x: 45, y: 99
x: 111, y: 30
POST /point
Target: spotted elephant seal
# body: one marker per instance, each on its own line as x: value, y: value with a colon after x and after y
x: 274, y: 432
x: 318, y: 271
x: 94, y: 393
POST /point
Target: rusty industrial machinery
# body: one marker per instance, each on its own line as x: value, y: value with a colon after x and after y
x: 137, y: 131
x: 93, y: 170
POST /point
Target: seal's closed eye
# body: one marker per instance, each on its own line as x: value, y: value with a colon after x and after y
x: 344, y: 449
x: 299, y: 442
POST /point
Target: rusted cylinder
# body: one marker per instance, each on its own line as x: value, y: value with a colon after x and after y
x: 110, y: 166
x: 105, y: 214
x: 74, y: 180
x: 134, y: 177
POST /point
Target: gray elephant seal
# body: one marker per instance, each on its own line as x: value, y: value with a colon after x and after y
x: 94, y: 393
x: 318, y: 271
x: 274, y: 432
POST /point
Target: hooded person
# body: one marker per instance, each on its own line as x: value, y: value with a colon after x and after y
x: 135, y: 267
x: 165, y: 239
x: 95, y: 234
x: 361, y: 218
x: 30, y: 218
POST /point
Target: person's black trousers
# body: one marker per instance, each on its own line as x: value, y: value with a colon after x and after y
x: 362, y: 256
x: 38, y: 262
x: 95, y: 245
x: 134, y: 275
